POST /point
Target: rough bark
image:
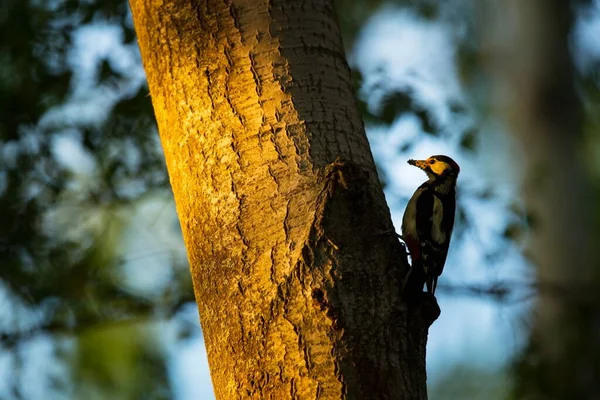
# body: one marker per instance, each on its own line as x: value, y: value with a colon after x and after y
x: 534, y: 77
x: 284, y: 219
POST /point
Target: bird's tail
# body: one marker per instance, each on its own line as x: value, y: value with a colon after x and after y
x: 416, y: 279
x: 431, y: 283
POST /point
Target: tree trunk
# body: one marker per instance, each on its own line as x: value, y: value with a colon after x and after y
x: 536, y: 83
x: 296, y: 275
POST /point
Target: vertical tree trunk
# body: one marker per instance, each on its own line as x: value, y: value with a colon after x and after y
x: 282, y: 213
x: 536, y: 79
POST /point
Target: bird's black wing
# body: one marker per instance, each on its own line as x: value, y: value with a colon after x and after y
x: 434, y: 249
x: 424, y: 213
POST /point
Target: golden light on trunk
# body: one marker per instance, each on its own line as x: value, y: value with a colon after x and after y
x: 283, y: 216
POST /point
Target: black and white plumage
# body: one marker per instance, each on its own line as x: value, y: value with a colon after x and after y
x: 429, y: 218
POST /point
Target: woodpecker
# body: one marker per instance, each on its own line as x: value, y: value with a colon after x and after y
x: 429, y: 218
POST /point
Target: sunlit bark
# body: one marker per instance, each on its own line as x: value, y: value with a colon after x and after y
x: 296, y: 275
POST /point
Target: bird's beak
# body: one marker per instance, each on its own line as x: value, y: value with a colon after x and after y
x: 418, y: 163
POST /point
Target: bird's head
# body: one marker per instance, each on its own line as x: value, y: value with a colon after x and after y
x: 437, y: 167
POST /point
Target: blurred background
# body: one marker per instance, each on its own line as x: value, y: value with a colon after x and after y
x: 95, y: 294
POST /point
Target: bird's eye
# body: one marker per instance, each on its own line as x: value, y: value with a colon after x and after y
x: 432, y: 161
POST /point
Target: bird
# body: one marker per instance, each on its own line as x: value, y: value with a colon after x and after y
x: 429, y: 218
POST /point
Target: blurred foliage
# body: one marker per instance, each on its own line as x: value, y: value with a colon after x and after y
x: 63, y: 222
x: 462, y: 382
x: 136, y: 364
x: 561, y: 358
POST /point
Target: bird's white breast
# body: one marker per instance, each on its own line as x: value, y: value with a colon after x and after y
x: 409, y: 220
